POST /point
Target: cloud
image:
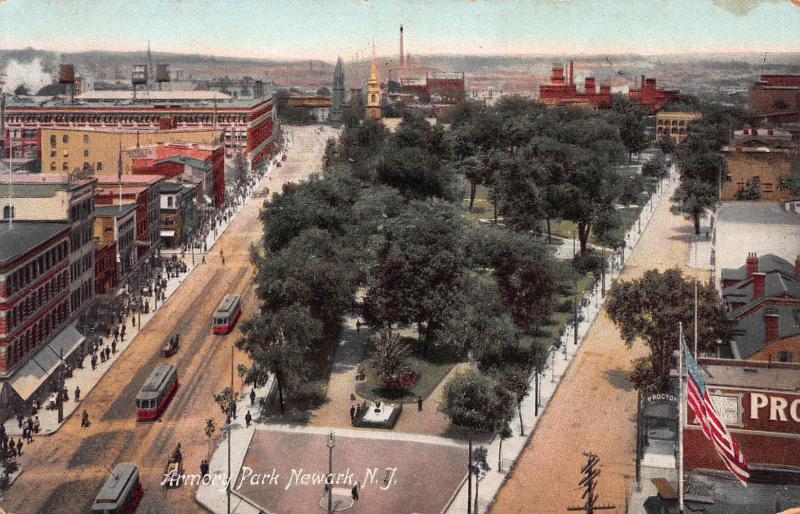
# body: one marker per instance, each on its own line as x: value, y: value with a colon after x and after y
x: 742, y: 7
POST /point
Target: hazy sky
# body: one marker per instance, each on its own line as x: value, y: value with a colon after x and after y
x: 325, y: 28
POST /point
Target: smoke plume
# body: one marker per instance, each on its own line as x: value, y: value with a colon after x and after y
x: 31, y: 75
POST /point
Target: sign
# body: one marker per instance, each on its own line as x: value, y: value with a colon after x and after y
x: 729, y: 408
x: 141, y: 153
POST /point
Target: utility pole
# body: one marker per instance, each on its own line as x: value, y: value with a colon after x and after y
x: 589, y: 482
x: 231, y: 407
x: 330, y: 472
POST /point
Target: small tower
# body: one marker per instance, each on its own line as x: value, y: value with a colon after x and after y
x: 374, y: 90
x: 337, y: 94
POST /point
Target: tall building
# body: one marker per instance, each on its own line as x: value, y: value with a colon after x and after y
x: 674, y: 125
x: 247, y: 125
x: 563, y: 91
x: 776, y: 98
x: 374, y: 91
x: 59, y: 198
x: 337, y: 94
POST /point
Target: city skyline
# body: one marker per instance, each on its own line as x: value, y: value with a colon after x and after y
x: 329, y: 28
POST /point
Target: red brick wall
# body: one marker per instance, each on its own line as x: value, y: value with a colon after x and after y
x: 757, y: 449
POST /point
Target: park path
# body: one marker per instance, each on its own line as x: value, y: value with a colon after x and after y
x: 594, y: 407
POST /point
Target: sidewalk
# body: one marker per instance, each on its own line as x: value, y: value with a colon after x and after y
x: 86, y: 378
x: 559, y: 362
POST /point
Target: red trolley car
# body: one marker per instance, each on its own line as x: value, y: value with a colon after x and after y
x: 156, y: 392
x: 226, y: 314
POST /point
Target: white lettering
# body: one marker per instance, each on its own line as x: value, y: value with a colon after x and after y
x: 757, y: 402
x: 293, y: 478
x: 369, y: 477
x: 777, y: 408
x: 273, y: 477
x: 246, y: 472
x: 793, y: 410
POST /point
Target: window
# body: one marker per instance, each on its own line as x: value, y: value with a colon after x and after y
x: 86, y: 152
x: 65, y: 166
x: 99, y: 166
x: 65, y: 139
x: 784, y: 356
x: 52, y: 166
x: 170, y: 201
x: 53, y: 140
x: 53, y: 152
x: 8, y: 212
x: 740, y: 186
x: 766, y: 187
x: 86, y: 139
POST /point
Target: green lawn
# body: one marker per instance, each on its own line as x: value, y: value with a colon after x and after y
x: 431, y: 369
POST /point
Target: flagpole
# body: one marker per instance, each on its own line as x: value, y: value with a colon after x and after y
x: 680, y: 417
x: 695, y: 297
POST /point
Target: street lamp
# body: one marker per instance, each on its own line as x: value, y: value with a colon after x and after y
x: 330, y: 472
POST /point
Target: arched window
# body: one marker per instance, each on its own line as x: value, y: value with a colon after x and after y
x: 8, y: 212
x: 65, y: 139
x: 53, y: 140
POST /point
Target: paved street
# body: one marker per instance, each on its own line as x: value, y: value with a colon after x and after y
x: 63, y: 472
x: 594, y: 408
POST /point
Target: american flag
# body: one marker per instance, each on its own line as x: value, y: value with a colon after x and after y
x: 713, y: 427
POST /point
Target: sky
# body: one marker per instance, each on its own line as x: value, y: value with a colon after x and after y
x: 305, y: 29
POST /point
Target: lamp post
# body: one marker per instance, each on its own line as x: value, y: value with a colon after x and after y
x: 330, y: 472
x: 603, y: 270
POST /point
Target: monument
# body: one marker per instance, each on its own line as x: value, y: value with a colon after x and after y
x: 337, y: 94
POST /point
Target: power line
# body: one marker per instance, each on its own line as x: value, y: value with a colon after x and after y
x: 589, y: 483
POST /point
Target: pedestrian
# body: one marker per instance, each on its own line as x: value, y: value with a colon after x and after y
x: 252, y: 396
x: 29, y: 424
x: 84, y: 419
x: 358, y: 325
x: 113, y: 347
x: 123, y: 331
x: 204, y: 260
x: 354, y: 492
x: 234, y: 410
x: 248, y: 418
x: 29, y: 432
x: 94, y: 361
x: 19, y: 447
x: 20, y: 417
x: 352, y: 412
x: 77, y: 394
x: 36, y: 424
x: 102, y: 356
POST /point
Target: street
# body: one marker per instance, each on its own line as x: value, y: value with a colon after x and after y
x: 63, y: 472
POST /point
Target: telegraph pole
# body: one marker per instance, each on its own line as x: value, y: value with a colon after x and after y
x: 589, y: 482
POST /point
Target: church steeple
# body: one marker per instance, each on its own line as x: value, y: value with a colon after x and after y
x: 374, y: 90
x: 337, y: 94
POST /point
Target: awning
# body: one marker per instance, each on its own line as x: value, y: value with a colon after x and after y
x: 33, y: 374
x: 664, y: 488
x: 167, y: 233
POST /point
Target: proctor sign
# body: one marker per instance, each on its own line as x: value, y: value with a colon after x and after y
x: 762, y: 411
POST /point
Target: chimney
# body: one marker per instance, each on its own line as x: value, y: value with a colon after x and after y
x: 759, y: 280
x: 641, y: 82
x: 772, y: 329
x: 402, y: 55
x: 571, y: 73
x: 752, y: 264
x: 797, y: 268
x: 590, y: 85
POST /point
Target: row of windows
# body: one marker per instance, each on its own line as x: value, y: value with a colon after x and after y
x: 36, y: 334
x: 65, y: 165
x: 65, y: 139
x: 80, y: 295
x: 81, y: 266
x: 82, y: 210
x: 680, y: 123
x: 31, y: 271
x: 766, y: 187
x: 112, y: 118
x: 31, y: 303
x: 675, y: 130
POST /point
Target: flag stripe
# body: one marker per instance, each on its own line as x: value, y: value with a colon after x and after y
x: 713, y: 427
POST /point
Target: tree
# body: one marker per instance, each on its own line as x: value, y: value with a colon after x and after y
x: 226, y: 400
x: 515, y: 378
x: 791, y: 182
x: 751, y: 191
x: 281, y: 342
x: 630, y: 120
x: 517, y: 187
x: 391, y: 360
x: 651, y: 307
x: 323, y: 91
x: 655, y: 168
x: 474, y: 401
x: 211, y: 427
x: 480, y: 465
x: 504, y: 433
x: 692, y: 198
x: 420, y: 268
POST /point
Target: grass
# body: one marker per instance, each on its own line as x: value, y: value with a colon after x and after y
x: 548, y: 333
x: 432, y: 368
x: 568, y: 229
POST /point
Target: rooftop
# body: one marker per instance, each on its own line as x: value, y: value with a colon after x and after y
x: 22, y: 236
x: 114, y: 211
x: 190, y: 161
x: 751, y: 374
x: 152, y: 96
x: 130, y: 180
x: 46, y: 178
x: 124, y: 100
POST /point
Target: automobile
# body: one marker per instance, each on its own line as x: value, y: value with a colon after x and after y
x: 172, y: 347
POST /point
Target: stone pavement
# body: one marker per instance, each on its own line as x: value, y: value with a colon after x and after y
x: 87, y: 378
x: 560, y: 363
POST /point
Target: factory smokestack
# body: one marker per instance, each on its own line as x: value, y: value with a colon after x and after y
x: 571, y: 73
x: 402, y: 54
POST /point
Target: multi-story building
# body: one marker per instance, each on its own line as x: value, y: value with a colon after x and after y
x: 248, y: 125
x: 563, y: 91
x: 763, y: 302
x: 192, y: 163
x: 34, y: 305
x: 776, y: 99
x: 96, y: 150
x: 115, y: 243
x: 144, y: 192
x: 651, y: 96
x: 760, y: 404
x: 179, y: 218
x: 59, y: 198
x: 757, y: 160
x: 674, y: 125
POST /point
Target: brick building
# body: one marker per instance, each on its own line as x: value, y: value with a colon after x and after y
x: 115, y: 243
x: 651, y: 96
x: 757, y: 160
x: 760, y: 404
x: 763, y: 302
x: 59, y: 198
x: 179, y: 219
x: 248, y: 126
x: 563, y: 91
x: 144, y: 192
x: 98, y: 150
x: 776, y: 98
x: 674, y: 125
x: 192, y: 163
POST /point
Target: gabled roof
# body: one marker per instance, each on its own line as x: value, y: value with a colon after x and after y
x: 748, y: 335
x: 766, y: 264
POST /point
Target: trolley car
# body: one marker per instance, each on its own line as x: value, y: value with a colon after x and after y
x: 226, y: 314
x: 121, y: 492
x: 156, y: 392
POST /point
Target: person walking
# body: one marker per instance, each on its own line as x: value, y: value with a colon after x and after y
x: 352, y: 412
x: 354, y: 492
x: 358, y: 325
x: 29, y: 432
x: 84, y: 419
x: 419, y: 403
x: 204, y: 260
x: 94, y: 361
x: 248, y: 418
x: 36, y: 424
x: 77, y: 394
x: 113, y: 347
x: 122, y: 332
x: 19, y: 447
x: 252, y: 396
